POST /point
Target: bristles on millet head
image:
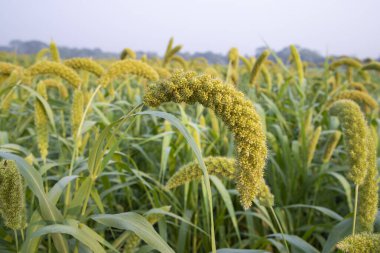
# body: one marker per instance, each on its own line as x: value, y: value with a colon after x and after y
x: 237, y: 113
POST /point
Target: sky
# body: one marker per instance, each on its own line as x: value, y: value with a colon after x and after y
x: 348, y: 27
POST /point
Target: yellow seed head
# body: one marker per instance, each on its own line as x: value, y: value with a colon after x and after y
x: 178, y: 59
x: 237, y: 113
x: 170, y: 52
x: 41, y: 89
x: 280, y: 79
x: 359, y: 87
x: 212, y: 72
x: 144, y: 58
x: 77, y: 112
x: 128, y: 66
x: 368, y: 192
x: 233, y: 75
x: 257, y: 67
x: 219, y: 166
x: 30, y: 159
x: 265, y: 196
x: 364, y: 75
x: 372, y: 66
x: 163, y: 73
x: 354, y: 132
x: 349, y: 62
x: 7, y: 101
x: 247, y: 63
x: 360, y: 243
x: 359, y: 97
x: 132, y: 240
x: 41, y: 54
x: 298, y: 62
x: 54, y: 83
x: 86, y: 64
x: 267, y: 77
x: 127, y: 53
x: 41, y: 123
x: 7, y: 68
x: 313, y: 144
x: 338, y: 79
x: 349, y: 74
x: 58, y: 69
x: 331, y: 145
x: 54, y: 52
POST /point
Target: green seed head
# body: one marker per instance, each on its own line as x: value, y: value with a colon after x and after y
x: 220, y: 166
x: 360, y: 243
x: 368, y: 192
x: 12, y: 199
x: 355, y: 133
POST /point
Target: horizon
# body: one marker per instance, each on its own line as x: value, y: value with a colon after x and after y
x: 143, y: 51
x: 327, y: 27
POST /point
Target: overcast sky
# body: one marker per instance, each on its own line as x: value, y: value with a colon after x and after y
x: 334, y: 26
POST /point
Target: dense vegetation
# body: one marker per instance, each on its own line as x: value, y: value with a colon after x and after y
x: 175, y: 155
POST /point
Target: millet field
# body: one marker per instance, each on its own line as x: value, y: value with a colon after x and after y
x: 173, y: 155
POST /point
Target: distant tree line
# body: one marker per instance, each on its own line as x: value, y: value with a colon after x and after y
x: 33, y: 46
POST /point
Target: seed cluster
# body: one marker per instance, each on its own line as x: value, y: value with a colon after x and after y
x: 12, y: 199
x: 355, y: 134
x: 220, y: 166
x: 128, y: 66
x: 236, y: 112
x: 85, y: 64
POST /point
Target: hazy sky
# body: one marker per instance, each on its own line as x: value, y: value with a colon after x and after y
x: 333, y: 26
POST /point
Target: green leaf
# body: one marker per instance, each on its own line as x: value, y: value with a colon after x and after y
x: 175, y: 122
x: 323, y: 210
x: 346, y: 187
x: 337, y: 233
x: 80, y: 197
x: 227, y: 201
x: 44, y: 103
x: 91, y: 233
x: 298, y: 244
x: 76, y: 232
x: 167, y: 213
x: 241, y: 251
x: 48, y: 210
x: 36, y: 222
x: 139, y: 225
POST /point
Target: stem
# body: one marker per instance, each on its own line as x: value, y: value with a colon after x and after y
x: 280, y: 227
x: 87, y: 198
x: 16, y: 238
x: 75, y: 151
x: 355, y: 209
